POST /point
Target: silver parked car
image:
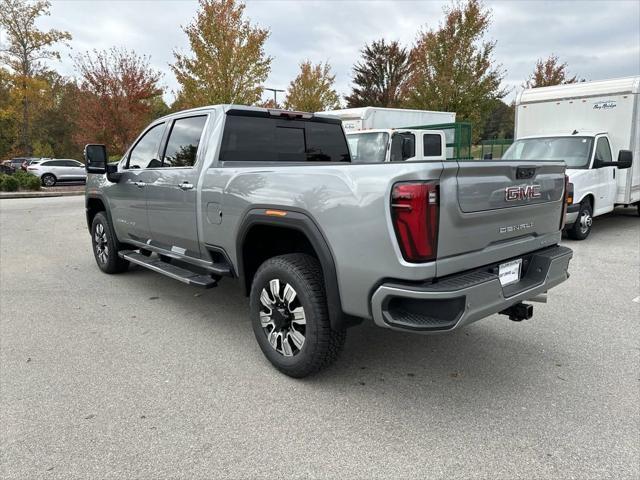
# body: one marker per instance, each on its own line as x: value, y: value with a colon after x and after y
x: 53, y: 170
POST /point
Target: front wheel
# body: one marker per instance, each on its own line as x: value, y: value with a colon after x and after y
x: 105, y: 245
x: 289, y: 315
x: 582, y: 226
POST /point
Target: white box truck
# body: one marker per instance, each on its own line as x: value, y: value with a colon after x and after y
x: 368, y: 118
x: 377, y: 134
x: 588, y: 125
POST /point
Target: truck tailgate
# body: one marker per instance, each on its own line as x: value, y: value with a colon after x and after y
x: 491, y: 210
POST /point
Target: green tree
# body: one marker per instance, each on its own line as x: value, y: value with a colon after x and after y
x: 453, y: 67
x: 312, y: 90
x: 26, y: 47
x: 380, y: 75
x: 499, y: 122
x: 56, y: 120
x: 228, y: 62
x: 549, y: 72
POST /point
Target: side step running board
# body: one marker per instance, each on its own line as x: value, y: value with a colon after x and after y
x: 173, y: 271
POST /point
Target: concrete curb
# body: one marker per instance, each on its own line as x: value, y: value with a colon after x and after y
x: 40, y: 194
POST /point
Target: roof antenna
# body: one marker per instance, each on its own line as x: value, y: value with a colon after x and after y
x: 575, y: 132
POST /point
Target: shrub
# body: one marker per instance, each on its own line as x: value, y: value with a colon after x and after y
x: 10, y: 184
x: 27, y: 181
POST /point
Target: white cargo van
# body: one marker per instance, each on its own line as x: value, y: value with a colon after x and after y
x: 379, y: 134
x: 589, y: 125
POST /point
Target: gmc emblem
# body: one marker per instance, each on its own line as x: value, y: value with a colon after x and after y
x: 522, y: 192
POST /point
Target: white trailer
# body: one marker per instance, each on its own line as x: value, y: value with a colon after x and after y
x: 588, y: 125
x: 367, y: 118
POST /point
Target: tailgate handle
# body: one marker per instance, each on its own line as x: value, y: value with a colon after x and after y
x: 522, y: 173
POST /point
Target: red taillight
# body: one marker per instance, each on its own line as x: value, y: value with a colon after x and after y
x: 414, y: 210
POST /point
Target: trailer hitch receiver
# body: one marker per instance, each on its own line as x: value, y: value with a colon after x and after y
x: 518, y: 312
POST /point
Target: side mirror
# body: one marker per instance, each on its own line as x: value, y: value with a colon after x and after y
x: 488, y: 156
x: 625, y: 159
x: 95, y: 157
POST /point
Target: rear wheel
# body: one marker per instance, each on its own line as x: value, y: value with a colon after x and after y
x: 289, y: 315
x: 105, y: 245
x: 582, y: 226
x: 48, y: 180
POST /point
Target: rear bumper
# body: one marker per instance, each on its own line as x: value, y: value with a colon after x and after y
x: 460, y: 299
x: 572, y: 214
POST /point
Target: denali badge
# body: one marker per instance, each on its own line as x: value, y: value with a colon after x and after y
x: 522, y: 192
x: 516, y: 228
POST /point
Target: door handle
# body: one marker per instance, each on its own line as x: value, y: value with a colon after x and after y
x: 140, y: 184
x: 186, y: 185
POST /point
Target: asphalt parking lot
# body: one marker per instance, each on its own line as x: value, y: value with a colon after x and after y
x: 140, y: 376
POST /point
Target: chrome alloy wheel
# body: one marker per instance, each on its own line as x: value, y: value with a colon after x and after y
x: 585, y: 222
x: 102, y: 248
x: 282, y: 318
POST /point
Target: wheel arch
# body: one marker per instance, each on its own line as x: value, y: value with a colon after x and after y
x: 300, y: 227
x: 95, y: 204
x: 591, y: 198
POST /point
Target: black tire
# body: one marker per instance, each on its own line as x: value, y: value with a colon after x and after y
x: 638, y: 205
x: 321, y: 344
x: 582, y: 226
x: 48, y: 180
x: 102, y: 236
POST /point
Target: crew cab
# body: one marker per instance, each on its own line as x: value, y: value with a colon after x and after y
x: 319, y: 243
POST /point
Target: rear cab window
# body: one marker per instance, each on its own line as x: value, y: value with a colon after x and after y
x: 182, y: 146
x: 252, y: 136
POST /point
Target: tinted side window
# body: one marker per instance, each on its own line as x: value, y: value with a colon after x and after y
x: 71, y: 163
x: 145, y: 153
x: 432, y: 145
x: 603, y: 152
x: 55, y: 163
x: 267, y: 139
x: 182, y: 145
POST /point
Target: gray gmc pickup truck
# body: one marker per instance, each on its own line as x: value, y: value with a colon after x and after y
x: 271, y: 198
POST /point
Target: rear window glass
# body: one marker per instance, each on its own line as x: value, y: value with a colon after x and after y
x: 432, y: 145
x: 269, y: 139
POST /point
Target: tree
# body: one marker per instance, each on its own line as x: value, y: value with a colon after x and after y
x: 229, y: 64
x: 380, y: 76
x: 499, y: 122
x: 118, y: 95
x: 453, y: 67
x: 26, y: 48
x: 312, y: 90
x: 549, y: 72
x: 8, y: 123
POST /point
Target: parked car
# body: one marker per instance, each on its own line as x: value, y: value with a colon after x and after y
x: 29, y: 161
x: 52, y: 171
x: 17, y: 162
x: 6, y: 168
x: 320, y: 243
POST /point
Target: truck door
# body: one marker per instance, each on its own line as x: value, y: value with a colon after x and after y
x: 128, y: 198
x: 172, y: 188
x: 606, y: 185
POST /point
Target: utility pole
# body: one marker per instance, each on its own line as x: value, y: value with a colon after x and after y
x: 275, y: 94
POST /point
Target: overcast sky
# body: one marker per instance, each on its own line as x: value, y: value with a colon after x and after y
x: 597, y: 39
